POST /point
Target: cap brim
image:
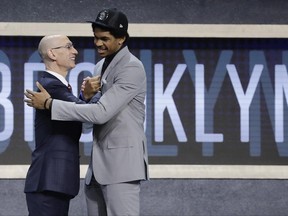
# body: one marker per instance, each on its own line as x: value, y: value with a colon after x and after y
x: 100, y: 24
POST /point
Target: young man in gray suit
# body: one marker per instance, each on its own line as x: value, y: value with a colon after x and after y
x: 119, y: 154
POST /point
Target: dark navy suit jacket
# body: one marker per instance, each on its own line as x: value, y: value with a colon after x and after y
x: 55, y: 160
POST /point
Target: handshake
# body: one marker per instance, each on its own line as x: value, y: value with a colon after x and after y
x: 91, y: 89
x: 90, y: 92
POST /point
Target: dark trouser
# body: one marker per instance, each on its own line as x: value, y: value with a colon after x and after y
x: 48, y: 203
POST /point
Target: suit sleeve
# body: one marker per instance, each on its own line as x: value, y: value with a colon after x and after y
x: 127, y: 84
x: 59, y: 91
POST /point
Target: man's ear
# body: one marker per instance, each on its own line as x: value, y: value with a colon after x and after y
x: 51, y: 54
x: 121, y: 40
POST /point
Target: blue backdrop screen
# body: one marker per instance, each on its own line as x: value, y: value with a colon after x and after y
x: 209, y: 101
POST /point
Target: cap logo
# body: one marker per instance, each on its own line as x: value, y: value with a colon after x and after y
x: 103, y: 15
x: 120, y: 26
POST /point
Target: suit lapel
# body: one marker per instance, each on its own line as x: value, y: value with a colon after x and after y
x: 114, y: 62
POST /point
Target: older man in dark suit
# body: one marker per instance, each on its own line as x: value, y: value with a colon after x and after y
x: 53, y: 177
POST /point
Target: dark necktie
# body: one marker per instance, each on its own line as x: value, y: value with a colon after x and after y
x: 105, y: 65
x: 69, y: 88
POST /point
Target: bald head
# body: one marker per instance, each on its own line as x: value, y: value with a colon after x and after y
x: 58, y: 53
x: 49, y: 42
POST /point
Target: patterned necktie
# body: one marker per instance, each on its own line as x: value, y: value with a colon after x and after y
x: 69, y: 88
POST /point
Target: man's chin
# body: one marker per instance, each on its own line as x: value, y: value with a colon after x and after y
x: 102, y: 53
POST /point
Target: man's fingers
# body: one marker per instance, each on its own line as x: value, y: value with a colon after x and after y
x: 96, y: 78
x: 28, y: 93
x: 27, y: 101
x: 43, y: 93
x: 40, y: 87
x: 29, y: 104
x: 86, y: 78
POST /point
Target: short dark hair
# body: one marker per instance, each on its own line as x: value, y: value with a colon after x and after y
x: 114, y: 32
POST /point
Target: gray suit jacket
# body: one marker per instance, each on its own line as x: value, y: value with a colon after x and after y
x: 119, y: 150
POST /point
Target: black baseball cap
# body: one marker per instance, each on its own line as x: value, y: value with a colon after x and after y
x: 111, y: 19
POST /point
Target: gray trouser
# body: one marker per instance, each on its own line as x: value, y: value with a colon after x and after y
x: 115, y: 199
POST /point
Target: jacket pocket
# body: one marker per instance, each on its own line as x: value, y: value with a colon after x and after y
x: 120, y: 142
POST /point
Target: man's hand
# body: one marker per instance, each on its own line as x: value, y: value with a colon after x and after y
x: 90, y: 86
x: 37, y: 99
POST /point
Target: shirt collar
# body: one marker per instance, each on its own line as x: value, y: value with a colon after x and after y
x: 109, y: 58
x: 58, y: 76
